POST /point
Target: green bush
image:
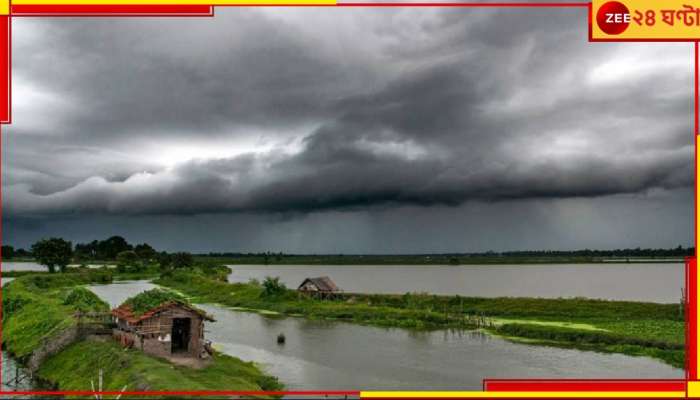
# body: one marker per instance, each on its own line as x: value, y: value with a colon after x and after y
x: 84, y: 300
x: 272, y: 287
x: 52, y: 281
x: 150, y: 299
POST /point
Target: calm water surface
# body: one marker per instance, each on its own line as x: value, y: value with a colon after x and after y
x: 32, y: 266
x: 642, y: 282
x: 657, y: 282
x: 14, y: 378
x: 333, y: 355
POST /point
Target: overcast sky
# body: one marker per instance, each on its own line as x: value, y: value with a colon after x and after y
x: 319, y: 130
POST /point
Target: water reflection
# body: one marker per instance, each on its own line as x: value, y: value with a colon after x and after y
x: 14, y: 378
x: 334, y: 355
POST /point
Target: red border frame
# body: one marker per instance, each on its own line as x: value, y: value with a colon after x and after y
x: 494, y: 385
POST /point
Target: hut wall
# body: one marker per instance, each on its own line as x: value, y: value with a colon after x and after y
x: 156, y: 333
x: 308, y: 287
x: 196, y: 342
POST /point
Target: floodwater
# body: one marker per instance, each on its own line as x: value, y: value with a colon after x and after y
x: 22, y: 266
x: 32, y: 266
x: 660, y: 282
x: 326, y: 355
x: 14, y: 377
x: 655, y: 282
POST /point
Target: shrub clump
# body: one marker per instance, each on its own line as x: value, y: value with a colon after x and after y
x: 272, y: 287
x: 84, y: 300
x: 151, y: 299
x: 46, y: 281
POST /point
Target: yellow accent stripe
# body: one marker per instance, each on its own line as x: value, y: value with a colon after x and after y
x: 475, y: 394
x: 4, y: 7
x: 693, y: 388
x: 190, y: 2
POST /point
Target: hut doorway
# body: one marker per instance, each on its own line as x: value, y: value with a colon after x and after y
x: 180, y: 335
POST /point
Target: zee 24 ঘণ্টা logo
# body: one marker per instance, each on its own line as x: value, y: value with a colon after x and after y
x: 614, y: 17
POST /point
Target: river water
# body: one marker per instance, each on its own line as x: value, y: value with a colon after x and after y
x: 32, y: 266
x: 335, y: 355
x: 656, y: 282
x: 659, y: 282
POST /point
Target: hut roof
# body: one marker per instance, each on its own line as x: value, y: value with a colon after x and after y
x: 148, y: 303
x: 323, y: 283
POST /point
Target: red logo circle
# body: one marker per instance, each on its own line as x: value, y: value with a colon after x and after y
x: 613, y: 17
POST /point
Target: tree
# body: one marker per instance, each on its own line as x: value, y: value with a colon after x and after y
x: 53, y: 252
x: 182, y: 260
x: 108, y: 249
x: 8, y: 252
x: 103, y: 249
x: 165, y: 260
x: 86, y: 251
x: 22, y: 253
x: 165, y: 263
x: 272, y: 287
x: 127, y: 260
x: 145, y: 252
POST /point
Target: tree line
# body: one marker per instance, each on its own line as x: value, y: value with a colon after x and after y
x: 58, y: 253
x: 678, y: 251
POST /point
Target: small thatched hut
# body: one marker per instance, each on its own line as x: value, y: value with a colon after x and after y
x: 161, y: 323
x: 321, y: 287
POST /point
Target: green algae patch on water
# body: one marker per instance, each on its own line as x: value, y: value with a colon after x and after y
x: 558, y: 324
x: 255, y: 310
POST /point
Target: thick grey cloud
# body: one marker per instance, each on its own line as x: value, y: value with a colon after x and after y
x: 301, y: 111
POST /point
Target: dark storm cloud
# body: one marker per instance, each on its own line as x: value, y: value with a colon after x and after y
x: 439, y: 107
x: 131, y: 77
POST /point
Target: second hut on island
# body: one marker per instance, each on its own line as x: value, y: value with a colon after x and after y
x: 162, y: 323
x: 322, y: 287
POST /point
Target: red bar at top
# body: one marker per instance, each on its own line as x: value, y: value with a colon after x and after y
x: 112, y: 9
x: 5, y: 83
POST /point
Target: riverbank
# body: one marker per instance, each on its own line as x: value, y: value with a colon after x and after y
x: 41, y: 331
x: 37, y: 309
x: 633, y: 328
x: 74, y: 367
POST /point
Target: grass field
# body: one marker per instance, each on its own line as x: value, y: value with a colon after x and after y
x: 73, y: 368
x: 37, y: 308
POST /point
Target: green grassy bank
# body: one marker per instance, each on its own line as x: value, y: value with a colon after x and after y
x: 39, y: 308
x: 633, y: 328
x: 73, y: 368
